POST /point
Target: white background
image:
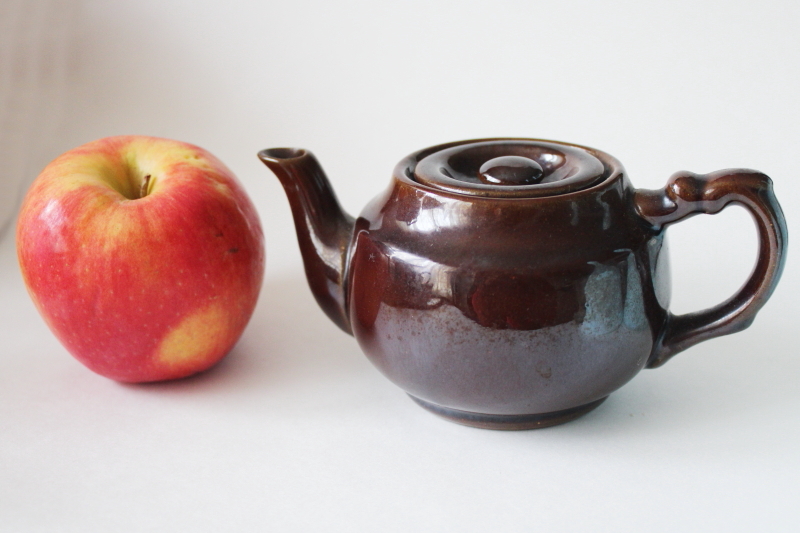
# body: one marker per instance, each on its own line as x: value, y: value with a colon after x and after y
x: 295, y: 430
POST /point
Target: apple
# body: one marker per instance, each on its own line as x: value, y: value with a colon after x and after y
x: 145, y: 256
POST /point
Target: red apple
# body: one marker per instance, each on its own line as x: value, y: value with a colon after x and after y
x: 145, y: 256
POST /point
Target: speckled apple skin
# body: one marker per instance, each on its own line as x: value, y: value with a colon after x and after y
x: 141, y: 289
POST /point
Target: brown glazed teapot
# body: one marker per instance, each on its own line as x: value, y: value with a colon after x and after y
x: 516, y: 283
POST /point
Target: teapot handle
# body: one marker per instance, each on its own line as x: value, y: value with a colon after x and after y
x: 688, y: 194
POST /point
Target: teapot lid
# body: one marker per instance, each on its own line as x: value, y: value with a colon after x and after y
x: 508, y: 168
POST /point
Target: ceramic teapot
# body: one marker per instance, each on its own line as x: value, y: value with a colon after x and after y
x: 516, y: 283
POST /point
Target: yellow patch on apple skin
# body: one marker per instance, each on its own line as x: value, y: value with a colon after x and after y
x: 198, y: 337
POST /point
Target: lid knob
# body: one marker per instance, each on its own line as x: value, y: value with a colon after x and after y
x: 511, y: 170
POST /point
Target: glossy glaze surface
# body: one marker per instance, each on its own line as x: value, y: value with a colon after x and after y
x: 506, y: 306
x: 516, y: 279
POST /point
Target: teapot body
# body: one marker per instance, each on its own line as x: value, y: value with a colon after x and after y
x: 504, y: 307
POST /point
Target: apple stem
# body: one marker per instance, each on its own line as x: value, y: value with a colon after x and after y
x: 143, y: 189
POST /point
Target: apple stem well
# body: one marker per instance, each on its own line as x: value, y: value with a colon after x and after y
x: 143, y: 190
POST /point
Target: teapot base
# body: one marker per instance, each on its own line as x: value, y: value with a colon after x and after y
x: 509, y: 422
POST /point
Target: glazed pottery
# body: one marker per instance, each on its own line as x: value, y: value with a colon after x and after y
x: 516, y: 283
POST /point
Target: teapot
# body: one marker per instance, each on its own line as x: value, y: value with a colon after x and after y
x: 515, y: 283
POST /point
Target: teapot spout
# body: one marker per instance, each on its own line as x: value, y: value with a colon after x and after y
x: 324, y: 230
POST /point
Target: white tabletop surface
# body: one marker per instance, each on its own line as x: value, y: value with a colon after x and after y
x: 295, y: 430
